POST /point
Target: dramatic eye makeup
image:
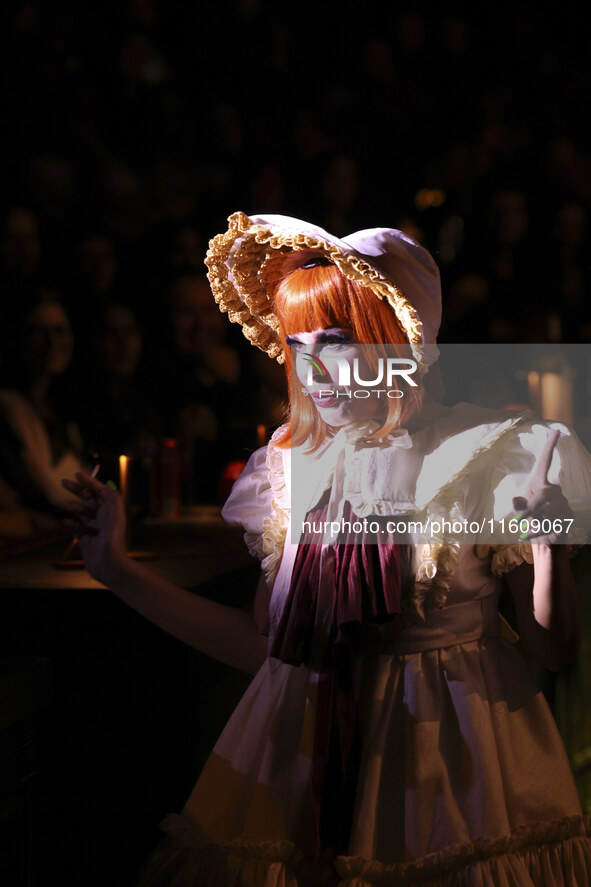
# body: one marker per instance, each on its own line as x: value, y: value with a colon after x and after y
x: 292, y: 341
x: 325, y: 337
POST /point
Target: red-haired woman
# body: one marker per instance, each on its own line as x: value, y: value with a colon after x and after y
x: 392, y: 733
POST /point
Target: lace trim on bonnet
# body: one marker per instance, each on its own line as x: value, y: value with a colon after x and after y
x: 246, y: 248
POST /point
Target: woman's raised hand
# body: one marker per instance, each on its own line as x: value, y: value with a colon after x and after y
x: 98, y: 515
x: 544, y: 513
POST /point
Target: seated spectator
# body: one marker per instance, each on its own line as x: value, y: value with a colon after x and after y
x: 568, y: 273
x: 20, y: 253
x: 97, y: 265
x: 37, y: 354
x: 203, y: 399
x: 120, y: 416
x: 24, y: 514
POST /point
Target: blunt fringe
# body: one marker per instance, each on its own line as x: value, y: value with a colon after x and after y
x: 318, y: 297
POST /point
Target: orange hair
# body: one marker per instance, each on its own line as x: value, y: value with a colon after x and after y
x: 307, y: 299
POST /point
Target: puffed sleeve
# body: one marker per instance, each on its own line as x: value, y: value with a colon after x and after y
x: 249, y: 502
x: 506, y: 557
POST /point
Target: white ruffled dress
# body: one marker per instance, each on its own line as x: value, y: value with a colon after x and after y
x: 463, y: 780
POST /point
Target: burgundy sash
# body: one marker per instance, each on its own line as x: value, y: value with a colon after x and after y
x: 366, y: 588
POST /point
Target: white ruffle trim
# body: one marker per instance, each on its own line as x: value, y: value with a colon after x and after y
x: 275, y: 525
x: 187, y: 859
x: 549, y: 854
x: 506, y: 557
x: 546, y: 854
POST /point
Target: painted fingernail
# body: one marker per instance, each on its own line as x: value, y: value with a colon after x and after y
x: 524, y: 537
x: 518, y: 516
x: 111, y: 485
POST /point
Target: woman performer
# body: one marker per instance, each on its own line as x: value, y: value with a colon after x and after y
x: 392, y: 734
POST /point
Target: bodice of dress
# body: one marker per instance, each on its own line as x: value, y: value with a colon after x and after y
x: 464, y: 461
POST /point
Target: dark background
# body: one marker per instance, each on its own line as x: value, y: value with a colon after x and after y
x: 144, y: 124
x: 149, y: 122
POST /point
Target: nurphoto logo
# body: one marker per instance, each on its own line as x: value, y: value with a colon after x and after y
x: 389, y: 370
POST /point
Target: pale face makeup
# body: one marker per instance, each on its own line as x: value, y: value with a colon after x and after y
x: 320, y: 349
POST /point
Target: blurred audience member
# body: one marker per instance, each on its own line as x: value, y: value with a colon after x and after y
x: 21, y: 251
x: 24, y: 511
x: 97, y: 264
x: 187, y: 249
x: 568, y: 272
x: 508, y: 236
x: 124, y: 159
x: 199, y: 331
x: 467, y: 309
x: 38, y: 352
x: 92, y: 279
x: 119, y: 416
x: 198, y: 379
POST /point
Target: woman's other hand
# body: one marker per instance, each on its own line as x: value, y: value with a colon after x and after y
x: 543, y: 510
x: 98, y: 515
x: 229, y: 634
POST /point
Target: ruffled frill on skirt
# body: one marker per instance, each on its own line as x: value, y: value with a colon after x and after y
x: 184, y: 859
x: 552, y: 854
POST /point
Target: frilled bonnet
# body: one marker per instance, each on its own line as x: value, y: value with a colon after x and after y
x: 392, y: 264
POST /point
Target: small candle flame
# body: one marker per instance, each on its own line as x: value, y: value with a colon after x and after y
x: 123, y: 470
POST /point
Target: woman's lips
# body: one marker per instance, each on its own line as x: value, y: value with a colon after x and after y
x: 324, y: 399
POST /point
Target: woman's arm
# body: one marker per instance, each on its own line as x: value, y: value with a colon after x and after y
x: 229, y: 634
x: 547, y: 606
x: 226, y: 633
x: 545, y: 595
